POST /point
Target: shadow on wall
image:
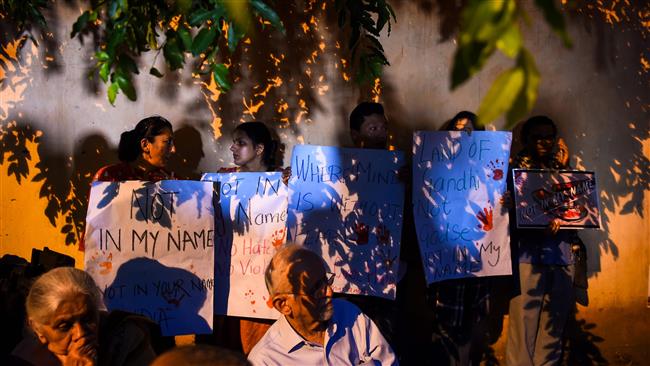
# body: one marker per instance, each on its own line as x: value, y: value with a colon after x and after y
x: 189, y: 152
x: 279, y: 78
x: 65, y: 181
x: 620, y: 51
x: 287, y: 85
x: 47, y: 40
x: 623, y: 171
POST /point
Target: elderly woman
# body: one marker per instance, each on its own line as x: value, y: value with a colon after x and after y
x: 144, y: 153
x: 69, y: 328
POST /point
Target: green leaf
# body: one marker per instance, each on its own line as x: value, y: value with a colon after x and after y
x: 112, y: 93
x: 128, y: 64
x: 102, y: 56
x: 185, y: 36
x: 200, y: 16
x: 267, y: 13
x: 172, y: 52
x: 116, y: 37
x: 369, y: 24
x: 155, y: 72
x: 485, y: 21
x: 383, y: 16
x: 202, y: 40
x: 501, y: 95
x: 151, y: 36
x: 80, y: 24
x: 468, y: 60
x: 222, y: 76
x: 124, y: 5
x: 510, y: 41
x: 93, y: 16
x: 528, y: 94
x: 126, y: 86
x: 376, y: 67
x: 235, y: 34
x: 104, y: 70
x: 375, y: 42
x: 555, y: 19
x: 114, y: 10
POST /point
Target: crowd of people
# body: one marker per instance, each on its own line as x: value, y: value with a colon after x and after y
x: 68, y: 324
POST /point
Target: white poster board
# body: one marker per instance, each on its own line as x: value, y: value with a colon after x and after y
x: 458, y: 183
x: 346, y: 205
x: 150, y: 248
x: 250, y: 227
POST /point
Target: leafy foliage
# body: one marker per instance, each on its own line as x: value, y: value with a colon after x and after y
x: 209, y: 30
x: 367, y: 53
x: 24, y: 14
x: 487, y: 26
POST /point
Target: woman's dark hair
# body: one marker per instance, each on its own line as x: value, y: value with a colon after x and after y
x: 536, y: 121
x: 451, y: 124
x: 150, y: 127
x: 261, y: 135
x: 361, y: 111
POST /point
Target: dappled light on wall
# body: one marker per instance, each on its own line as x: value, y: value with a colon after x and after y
x: 15, y: 75
x: 281, y: 79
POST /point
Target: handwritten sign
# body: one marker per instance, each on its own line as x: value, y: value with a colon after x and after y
x: 458, y: 182
x: 346, y: 205
x: 150, y: 248
x: 568, y: 195
x: 250, y: 227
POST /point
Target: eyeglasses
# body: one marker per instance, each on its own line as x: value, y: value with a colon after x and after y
x: 542, y: 138
x: 319, y: 290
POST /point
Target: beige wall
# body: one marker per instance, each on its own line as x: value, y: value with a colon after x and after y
x: 57, y: 128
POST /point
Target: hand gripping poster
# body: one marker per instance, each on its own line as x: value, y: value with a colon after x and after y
x: 570, y: 196
x: 250, y: 227
x: 149, y: 247
x: 458, y: 184
x: 346, y: 205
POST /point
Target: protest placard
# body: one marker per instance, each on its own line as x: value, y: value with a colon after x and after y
x: 250, y: 226
x: 570, y: 196
x: 149, y: 247
x: 458, y: 182
x: 346, y: 205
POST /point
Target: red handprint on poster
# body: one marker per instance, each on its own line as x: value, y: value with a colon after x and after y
x: 485, y: 218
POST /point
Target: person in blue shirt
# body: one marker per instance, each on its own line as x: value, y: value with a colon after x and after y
x: 314, y: 328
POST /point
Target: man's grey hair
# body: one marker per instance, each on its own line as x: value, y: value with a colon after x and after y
x: 282, y: 261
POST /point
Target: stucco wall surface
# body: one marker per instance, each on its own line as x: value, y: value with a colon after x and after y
x: 57, y: 128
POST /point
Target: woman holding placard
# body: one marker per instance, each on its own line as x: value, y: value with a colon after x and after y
x: 461, y: 305
x: 544, y: 260
x: 144, y: 153
x: 253, y: 150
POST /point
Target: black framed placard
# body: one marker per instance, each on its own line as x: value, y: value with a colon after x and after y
x: 568, y: 195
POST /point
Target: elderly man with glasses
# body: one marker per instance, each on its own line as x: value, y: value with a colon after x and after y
x: 314, y: 329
